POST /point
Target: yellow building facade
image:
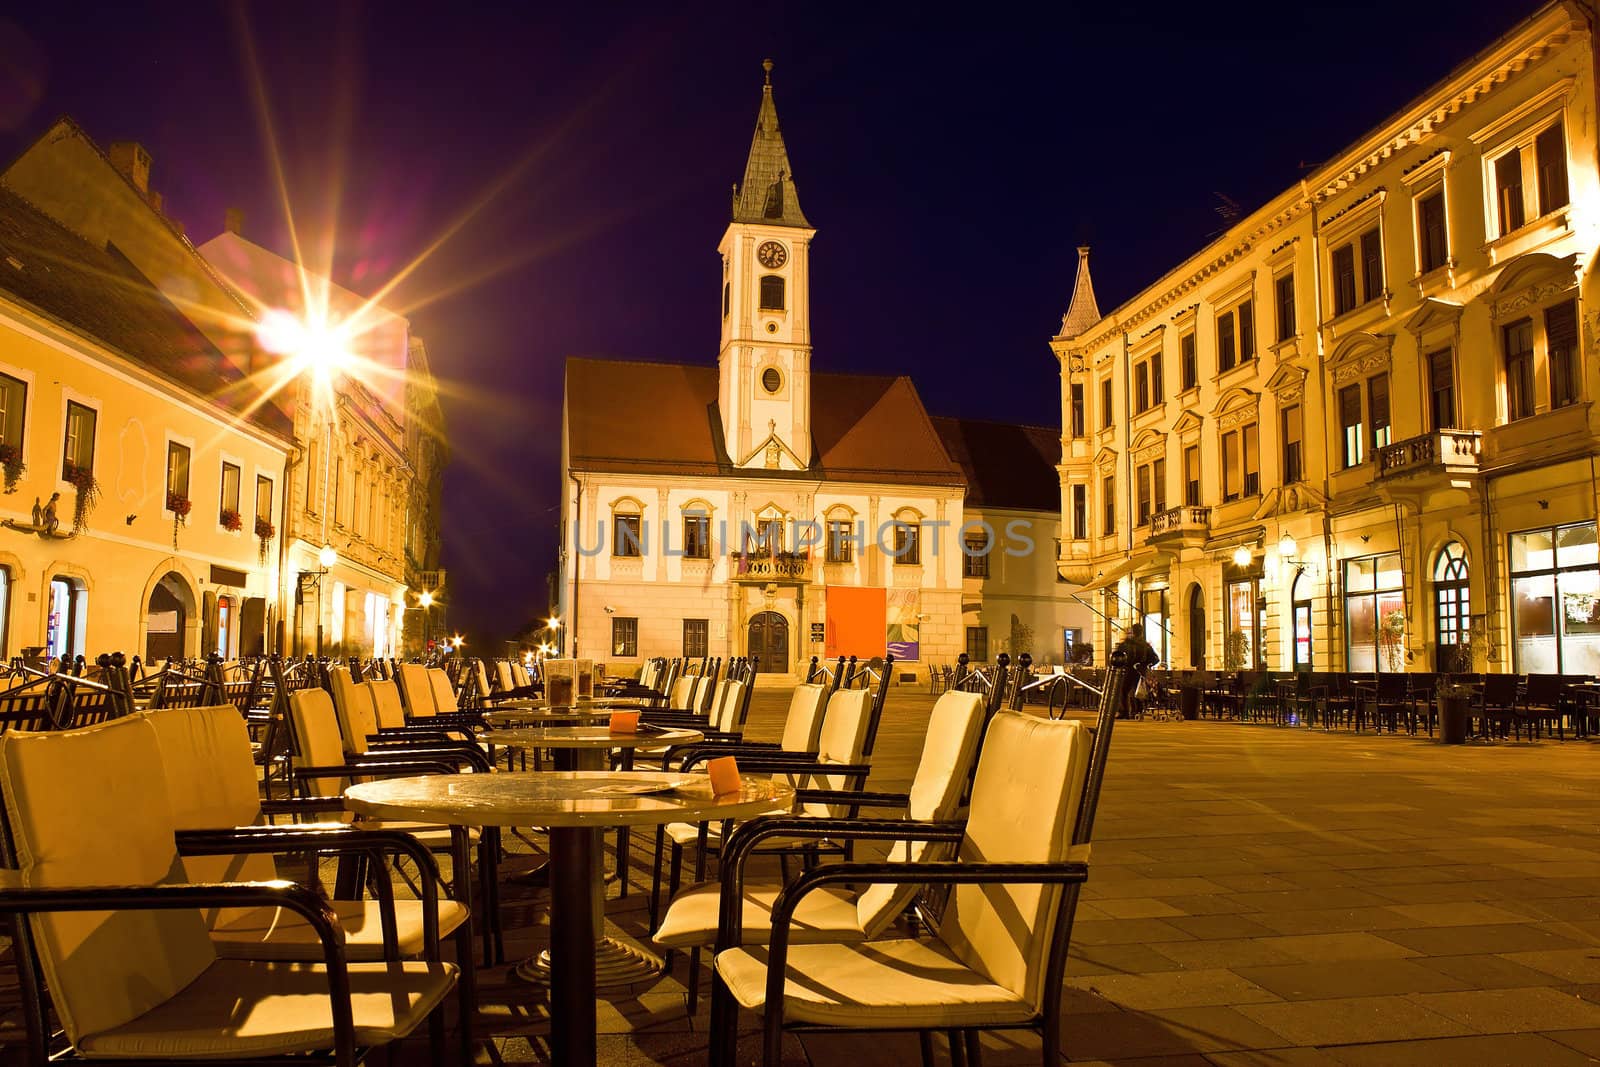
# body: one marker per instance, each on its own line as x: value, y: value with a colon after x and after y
x: 253, y: 476
x: 1357, y: 430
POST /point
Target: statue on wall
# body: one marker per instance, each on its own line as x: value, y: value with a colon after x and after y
x: 48, y: 519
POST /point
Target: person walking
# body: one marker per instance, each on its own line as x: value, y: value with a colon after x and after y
x: 1141, y: 657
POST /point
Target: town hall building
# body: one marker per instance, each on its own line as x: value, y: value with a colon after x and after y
x: 759, y: 508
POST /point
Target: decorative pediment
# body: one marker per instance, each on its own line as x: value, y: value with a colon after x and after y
x: 1237, y: 405
x: 1288, y: 499
x: 1189, y: 422
x: 1106, y: 459
x: 1434, y: 314
x: 1152, y: 444
x: 1361, y: 355
x: 1529, y: 281
x: 1288, y: 382
x: 773, y: 453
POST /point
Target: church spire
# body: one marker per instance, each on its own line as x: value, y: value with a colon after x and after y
x: 1083, y: 312
x: 768, y: 195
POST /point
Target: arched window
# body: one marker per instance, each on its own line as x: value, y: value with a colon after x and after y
x: 1300, y: 600
x: 1452, y: 606
x: 771, y: 292
x: 1197, y: 627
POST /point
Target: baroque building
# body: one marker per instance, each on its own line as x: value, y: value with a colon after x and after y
x: 759, y: 507
x: 1357, y: 430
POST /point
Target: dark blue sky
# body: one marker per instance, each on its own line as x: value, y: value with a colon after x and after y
x: 950, y: 163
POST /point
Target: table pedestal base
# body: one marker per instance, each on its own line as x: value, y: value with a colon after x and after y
x: 616, y: 963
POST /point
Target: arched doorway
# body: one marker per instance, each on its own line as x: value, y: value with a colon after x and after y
x: 253, y: 627
x: 167, y: 618
x: 1452, y: 607
x: 769, y: 642
x: 1197, y: 627
x: 1300, y: 600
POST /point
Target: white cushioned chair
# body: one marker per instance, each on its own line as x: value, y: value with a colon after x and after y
x: 829, y: 914
x: 132, y: 971
x: 1000, y: 948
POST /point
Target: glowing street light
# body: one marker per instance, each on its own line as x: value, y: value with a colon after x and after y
x: 1242, y: 556
x: 425, y: 599
x: 327, y: 557
x: 457, y: 641
x: 554, y: 622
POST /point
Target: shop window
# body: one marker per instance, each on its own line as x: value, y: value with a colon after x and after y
x: 1555, y: 593
x: 1375, y: 614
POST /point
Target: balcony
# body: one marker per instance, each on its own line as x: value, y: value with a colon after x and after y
x: 1186, y: 524
x: 763, y: 567
x: 1449, y: 452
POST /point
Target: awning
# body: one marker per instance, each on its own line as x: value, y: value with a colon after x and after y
x: 1127, y: 566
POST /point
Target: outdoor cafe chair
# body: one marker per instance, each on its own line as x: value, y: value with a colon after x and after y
x: 998, y: 956
x: 125, y: 952
x: 948, y: 749
x: 324, y: 770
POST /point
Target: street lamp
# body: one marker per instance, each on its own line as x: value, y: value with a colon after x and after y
x: 326, y: 559
x: 425, y: 602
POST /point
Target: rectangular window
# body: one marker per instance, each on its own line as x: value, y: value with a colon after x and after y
x: 1158, y: 475
x: 1371, y: 265
x: 1227, y: 350
x: 13, y: 406
x: 625, y: 637
x: 177, y: 470
x: 697, y: 536
x: 1508, y: 191
x: 1157, y: 386
x: 338, y: 488
x: 1080, y: 511
x: 696, y: 638
x: 1143, y: 495
x: 230, y: 491
x: 1556, y: 617
x: 977, y: 644
x: 1188, y: 363
x: 1231, y: 474
x: 78, y: 450
x: 263, y: 500
x: 1550, y: 156
x: 769, y: 536
x: 1250, y: 447
x: 1441, y: 390
x: 841, y: 542
x: 1561, y: 339
x: 1246, y: 313
x: 1105, y: 404
x: 627, y: 535
x: 1077, y: 409
x: 1378, y: 410
x: 975, y: 560
x: 908, y: 543
x: 1108, y: 504
x: 1518, y: 338
x: 1352, y: 429
x: 1293, y: 464
x: 1344, y: 278
x: 1433, y: 247
x: 1141, y: 387
x: 1191, y: 476
x: 313, y: 498
x: 1283, y: 289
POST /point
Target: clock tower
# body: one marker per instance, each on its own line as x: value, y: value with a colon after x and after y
x: 764, y: 365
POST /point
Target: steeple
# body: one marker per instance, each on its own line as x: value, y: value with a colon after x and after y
x: 1083, y: 312
x: 767, y: 194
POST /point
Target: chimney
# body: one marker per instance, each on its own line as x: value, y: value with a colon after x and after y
x: 133, y: 161
x: 233, y: 222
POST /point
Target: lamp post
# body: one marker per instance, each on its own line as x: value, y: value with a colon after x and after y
x: 425, y: 602
x: 313, y: 580
x: 553, y: 626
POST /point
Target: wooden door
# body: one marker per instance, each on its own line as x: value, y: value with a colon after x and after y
x: 769, y: 642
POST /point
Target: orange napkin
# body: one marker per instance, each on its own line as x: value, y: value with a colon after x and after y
x: 624, y: 722
x: 724, y: 772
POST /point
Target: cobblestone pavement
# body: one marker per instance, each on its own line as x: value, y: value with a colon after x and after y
x: 1258, y: 895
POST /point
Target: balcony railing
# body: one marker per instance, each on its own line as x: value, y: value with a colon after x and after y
x: 1447, y: 451
x: 771, y: 566
x: 1184, y: 520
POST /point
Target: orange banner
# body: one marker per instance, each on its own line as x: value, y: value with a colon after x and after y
x: 856, y: 623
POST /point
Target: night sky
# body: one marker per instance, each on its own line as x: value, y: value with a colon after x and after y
x: 581, y: 162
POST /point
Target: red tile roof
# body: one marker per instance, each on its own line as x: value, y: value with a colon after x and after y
x: 1007, y: 466
x: 662, y: 418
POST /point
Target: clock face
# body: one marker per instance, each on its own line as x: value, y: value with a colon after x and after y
x: 772, y: 254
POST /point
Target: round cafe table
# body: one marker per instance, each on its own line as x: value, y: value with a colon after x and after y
x: 576, y: 806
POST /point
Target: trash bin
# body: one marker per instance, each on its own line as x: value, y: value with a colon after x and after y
x: 1453, y: 719
x: 1189, y: 701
